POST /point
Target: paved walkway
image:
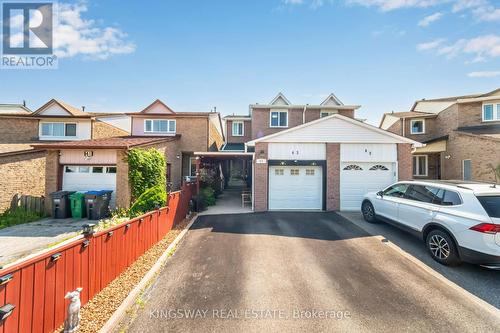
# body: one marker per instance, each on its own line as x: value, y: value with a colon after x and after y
x: 229, y: 202
x: 24, y: 239
x: 300, y: 272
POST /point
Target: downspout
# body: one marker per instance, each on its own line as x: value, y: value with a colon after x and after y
x: 403, y: 129
x: 304, y: 114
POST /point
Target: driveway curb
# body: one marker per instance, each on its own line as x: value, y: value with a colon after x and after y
x: 473, y: 298
x: 120, y: 313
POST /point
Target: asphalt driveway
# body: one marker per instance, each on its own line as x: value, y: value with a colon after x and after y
x: 300, y: 271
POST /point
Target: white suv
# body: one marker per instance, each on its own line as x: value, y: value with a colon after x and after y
x: 458, y: 221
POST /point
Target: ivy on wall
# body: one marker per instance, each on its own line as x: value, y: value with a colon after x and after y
x: 147, y: 169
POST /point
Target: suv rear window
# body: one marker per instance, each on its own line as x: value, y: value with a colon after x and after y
x: 491, y: 205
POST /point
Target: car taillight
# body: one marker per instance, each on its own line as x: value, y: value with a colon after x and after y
x: 487, y: 228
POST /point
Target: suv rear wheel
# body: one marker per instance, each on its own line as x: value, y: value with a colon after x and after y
x: 368, y: 212
x: 442, y: 248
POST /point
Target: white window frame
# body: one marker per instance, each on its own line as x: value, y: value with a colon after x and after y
x: 323, y: 114
x: 417, y: 166
x: 279, y: 112
x: 57, y: 136
x: 496, y: 112
x: 190, y: 164
x: 242, y: 128
x: 168, y: 131
x: 423, y: 126
x: 463, y: 169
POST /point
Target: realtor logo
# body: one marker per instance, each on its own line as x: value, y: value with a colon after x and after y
x: 27, y: 35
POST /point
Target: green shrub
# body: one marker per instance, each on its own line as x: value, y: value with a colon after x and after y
x: 149, y: 200
x: 18, y: 216
x: 147, y: 169
x: 207, y: 197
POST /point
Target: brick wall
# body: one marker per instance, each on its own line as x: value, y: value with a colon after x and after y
x: 260, y: 122
x: 480, y: 150
x: 430, y: 132
x: 18, y: 130
x: 52, y: 177
x: 332, y: 176
x: 23, y: 174
x: 405, y: 170
x: 396, y: 128
x: 247, y: 132
x: 215, y: 138
x: 102, y: 130
x: 261, y: 175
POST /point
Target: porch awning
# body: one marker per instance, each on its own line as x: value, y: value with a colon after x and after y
x: 434, y: 147
x: 221, y: 155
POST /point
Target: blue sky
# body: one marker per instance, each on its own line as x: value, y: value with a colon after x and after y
x: 194, y: 55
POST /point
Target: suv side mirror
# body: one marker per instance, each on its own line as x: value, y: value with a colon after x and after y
x: 380, y: 193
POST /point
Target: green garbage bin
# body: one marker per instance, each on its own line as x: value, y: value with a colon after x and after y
x: 77, y: 205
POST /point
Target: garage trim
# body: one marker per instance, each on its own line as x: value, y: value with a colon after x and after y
x: 317, y: 163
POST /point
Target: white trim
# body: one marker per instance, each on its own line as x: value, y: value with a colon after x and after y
x: 403, y: 139
x: 496, y: 112
x: 463, y: 169
x: 280, y: 95
x: 160, y: 132
x: 423, y: 126
x: 417, y: 166
x: 242, y: 128
x: 40, y: 133
x: 332, y: 96
x: 279, y: 111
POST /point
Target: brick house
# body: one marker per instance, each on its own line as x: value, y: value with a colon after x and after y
x: 314, y: 157
x: 99, y: 164
x: 461, y: 136
x: 22, y: 163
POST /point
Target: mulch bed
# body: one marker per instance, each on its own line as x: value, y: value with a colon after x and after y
x: 98, y: 310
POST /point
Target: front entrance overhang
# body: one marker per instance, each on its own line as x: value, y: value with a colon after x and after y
x: 434, y: 147
x: 219, y: 155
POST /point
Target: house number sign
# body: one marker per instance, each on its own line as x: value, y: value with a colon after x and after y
x: 88, y: 154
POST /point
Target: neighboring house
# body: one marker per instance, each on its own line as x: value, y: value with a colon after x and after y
x: 461, y: 136
x: 99, y: 164
x: 315, y: 157
x: 22, y: 163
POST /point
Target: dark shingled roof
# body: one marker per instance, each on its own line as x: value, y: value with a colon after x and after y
x: 123, y: 142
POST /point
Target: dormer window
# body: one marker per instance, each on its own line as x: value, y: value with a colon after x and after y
x: 279, y: 119
x: 238, y: 128
x: 417, y: 126
x: 58, y: 130
x: 491, y: 112
x: 159, y: 126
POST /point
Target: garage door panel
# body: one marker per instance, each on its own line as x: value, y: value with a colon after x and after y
x: 295, y: 187
x: 357, y: 179
x: 76, y: 180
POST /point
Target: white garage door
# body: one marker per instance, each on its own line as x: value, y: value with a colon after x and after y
x: 295, y: 187
x: 87, y: 178
x: 357, y: 179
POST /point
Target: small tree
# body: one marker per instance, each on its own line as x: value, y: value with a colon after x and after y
x: 147, y: 169
x: 495, y: 171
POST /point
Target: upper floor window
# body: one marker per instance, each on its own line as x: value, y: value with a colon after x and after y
x: 323, y: 114
x: 238, y: 128
x: 417, y: 126
x: 58, y: 129
x: 279, y: 119
x: 491, y: 112
x: 159, y: 126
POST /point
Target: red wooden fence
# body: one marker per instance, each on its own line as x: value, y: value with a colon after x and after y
x: 38, y: 285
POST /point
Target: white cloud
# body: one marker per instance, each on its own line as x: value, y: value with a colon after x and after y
x: 388, y: 5
x: 484, y: 74
x: 487, y: 13
x: 426, y: 21
x: 75, y: 35
x: 293, y: 2
x: 430, y: 45
x: 481, y: 47
x: 467, y: 4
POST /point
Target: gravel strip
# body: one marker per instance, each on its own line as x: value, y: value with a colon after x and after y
x: 98, y: 310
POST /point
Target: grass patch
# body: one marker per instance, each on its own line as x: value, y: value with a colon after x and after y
x: 19, y: 216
